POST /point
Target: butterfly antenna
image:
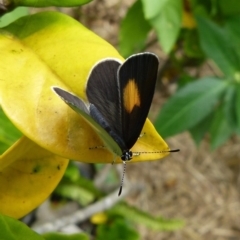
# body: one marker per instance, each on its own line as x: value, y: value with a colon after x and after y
x: 124, y: 170
x: 164, y: 151
x: 174, y: 150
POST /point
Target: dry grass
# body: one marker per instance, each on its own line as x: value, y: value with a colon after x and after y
x: 194, y: 185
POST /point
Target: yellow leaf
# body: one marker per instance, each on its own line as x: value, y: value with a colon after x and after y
x: 66, y: 46
x: 57, y: 51
x: 28, y: 174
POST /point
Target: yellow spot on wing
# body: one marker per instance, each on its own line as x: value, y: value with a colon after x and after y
x: 131, y: 96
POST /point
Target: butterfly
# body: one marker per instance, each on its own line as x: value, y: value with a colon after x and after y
x: 119, y: 98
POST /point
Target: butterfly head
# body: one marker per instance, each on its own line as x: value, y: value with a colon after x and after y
x: 127, y: 155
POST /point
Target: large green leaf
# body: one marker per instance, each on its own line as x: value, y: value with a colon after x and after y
x: 189, y: 106
x: 12, y: 229
x: 217, y: 44
x: 133, y: 37
x: 167, y: 23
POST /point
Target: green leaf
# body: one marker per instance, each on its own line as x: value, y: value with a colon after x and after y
x: 167, y: 23
x: 118, y: 229
x: 199, y: 130
x: 13, y: 15
x: 220, y: 130
x: 232, y: 26
x: 12, y: 229
x: 75, y: 192
x: 49, y: 3
x: 189, y: 106
x: 229, y: 105
x: 60, y: 236
x: 217, y: 45
x: 153, y: 7
x: 72, y: 172
x: 133, y: 37
x: 233, y: 31
x: 137, y: 216
x: 74, y: 186
x: 229, y: 7
x: 8, y: 132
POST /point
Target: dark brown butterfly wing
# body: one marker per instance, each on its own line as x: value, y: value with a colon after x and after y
x: 137, y: 79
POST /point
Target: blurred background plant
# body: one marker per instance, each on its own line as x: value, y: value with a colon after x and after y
x: 198, y: 91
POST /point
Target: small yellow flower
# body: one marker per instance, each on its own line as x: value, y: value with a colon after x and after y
x: 99, y: 218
